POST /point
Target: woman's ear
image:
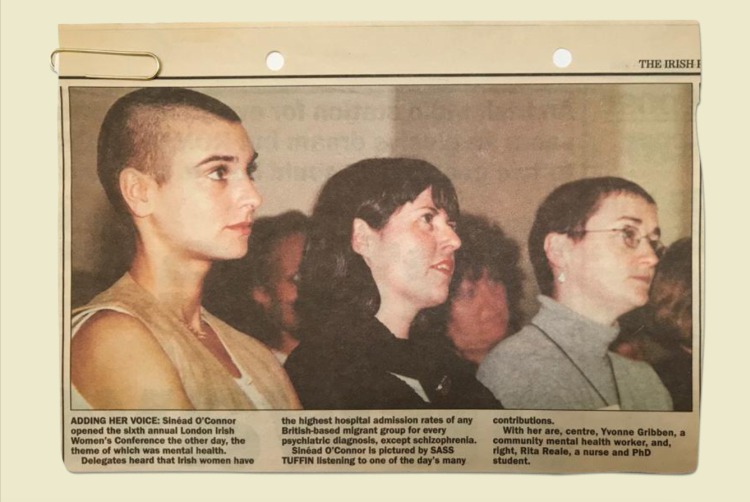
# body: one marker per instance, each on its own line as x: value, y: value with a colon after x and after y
x: 362, y: 237
x: 137, y: 191
x: 556, y: 247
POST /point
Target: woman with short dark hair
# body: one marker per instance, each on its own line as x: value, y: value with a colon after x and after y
x: 380, y: 249
x: 594, y: 245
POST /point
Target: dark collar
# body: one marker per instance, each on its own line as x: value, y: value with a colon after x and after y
x: 371, y: 344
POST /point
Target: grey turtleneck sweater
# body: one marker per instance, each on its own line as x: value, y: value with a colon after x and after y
x: 561, y: 361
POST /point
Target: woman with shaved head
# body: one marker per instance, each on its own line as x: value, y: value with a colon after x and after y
x: 179, y: 165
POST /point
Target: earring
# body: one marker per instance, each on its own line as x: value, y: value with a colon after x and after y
x: 561, y: 277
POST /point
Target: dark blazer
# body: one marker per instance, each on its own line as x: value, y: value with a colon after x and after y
x: 354, y: 363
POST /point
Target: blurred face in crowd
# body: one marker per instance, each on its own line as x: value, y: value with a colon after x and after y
x: 478, y: 317
x: 280, y: 294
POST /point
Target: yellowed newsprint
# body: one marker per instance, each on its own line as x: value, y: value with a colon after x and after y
x: 497, y: 266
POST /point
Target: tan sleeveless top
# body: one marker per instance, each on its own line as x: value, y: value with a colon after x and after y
x: 206, y: 381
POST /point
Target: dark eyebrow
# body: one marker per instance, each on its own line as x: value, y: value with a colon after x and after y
x: 432, y: 209
x: 252, y: 166
x: 214, y: 158
x: 631, y: 218
x: 223, y: 158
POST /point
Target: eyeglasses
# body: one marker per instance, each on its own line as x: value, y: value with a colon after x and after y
x: 632, y: 238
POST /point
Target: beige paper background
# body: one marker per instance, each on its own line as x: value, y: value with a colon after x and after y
x: 31, y: 461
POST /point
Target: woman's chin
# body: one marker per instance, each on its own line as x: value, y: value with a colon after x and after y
x: 438, y: 299
x: 234, y: 253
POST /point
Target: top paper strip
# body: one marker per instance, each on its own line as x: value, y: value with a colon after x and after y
x: 239, y: 50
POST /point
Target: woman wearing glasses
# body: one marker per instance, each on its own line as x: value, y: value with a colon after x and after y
x: 594, y: 246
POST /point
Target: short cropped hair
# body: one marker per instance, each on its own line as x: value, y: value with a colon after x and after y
x: 131, y: 129
x: 566, y: 211
x: 334, y: 280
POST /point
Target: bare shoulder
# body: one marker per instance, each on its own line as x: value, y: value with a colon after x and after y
x: 115, y: 336
x: 117, y: 363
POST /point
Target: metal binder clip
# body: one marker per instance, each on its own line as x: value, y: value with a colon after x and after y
x: 117, y: 53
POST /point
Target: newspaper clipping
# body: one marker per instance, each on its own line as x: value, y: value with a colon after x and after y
x: 380, y: 248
